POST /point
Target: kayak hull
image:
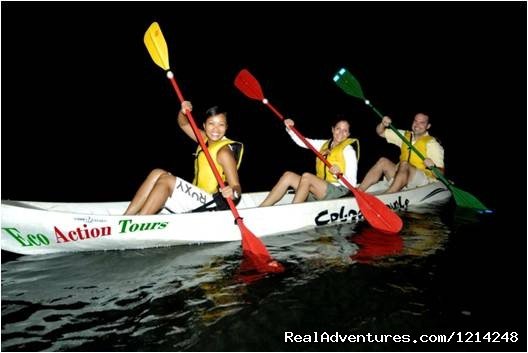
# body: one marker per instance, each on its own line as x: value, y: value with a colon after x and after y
x: 31, y: 227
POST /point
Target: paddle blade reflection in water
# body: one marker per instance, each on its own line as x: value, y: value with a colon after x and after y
x: 374, y: 244
x: 197, y: 298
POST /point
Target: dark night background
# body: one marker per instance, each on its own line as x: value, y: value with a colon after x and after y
x: 86, y: 114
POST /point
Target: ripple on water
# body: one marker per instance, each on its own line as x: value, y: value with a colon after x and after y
x: 194, y: 298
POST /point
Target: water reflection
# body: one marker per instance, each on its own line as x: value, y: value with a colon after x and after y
x: 374, y: 245
x: 184, y: 298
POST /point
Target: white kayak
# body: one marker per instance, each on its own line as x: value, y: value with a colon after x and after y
x: 34, y: 227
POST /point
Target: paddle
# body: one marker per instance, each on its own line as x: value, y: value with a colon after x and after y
x: 252, y: 247
x: 379, y: 215
x: 351, y: 86
x: 374, y: 245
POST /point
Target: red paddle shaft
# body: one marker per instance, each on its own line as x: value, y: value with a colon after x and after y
x: 251, y: 245
x: 374, y: 211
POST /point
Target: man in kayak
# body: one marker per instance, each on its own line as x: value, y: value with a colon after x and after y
x: 411, y: 171
x: 162, y: 189
x: 325, y: 185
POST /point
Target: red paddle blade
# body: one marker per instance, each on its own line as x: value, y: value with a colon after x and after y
x: 377, y: 213
x: 374, y: 244
x: 246, y: 272
x: 256, y: 253
x: 248, y: 85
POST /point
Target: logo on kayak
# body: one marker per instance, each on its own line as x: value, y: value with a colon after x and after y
x: 432, y: 193
x: 28, y: 239
x: 128, y: 226
x: 344, y: 215
x: 89, y: 219
x: 399, y: 204
x: 81, y: 233
x: 325, y: 217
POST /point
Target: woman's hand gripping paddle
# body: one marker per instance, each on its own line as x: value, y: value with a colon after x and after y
x: 253, y: 248
x: 379, y: 215
x: 351, y: 86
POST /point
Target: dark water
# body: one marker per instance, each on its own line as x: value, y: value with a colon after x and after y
x: 449, y: 271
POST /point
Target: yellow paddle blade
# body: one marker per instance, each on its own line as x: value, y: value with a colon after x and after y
x: 156, y: 46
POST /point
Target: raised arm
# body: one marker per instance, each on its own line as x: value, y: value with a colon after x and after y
x: 316, y: 143
x: 183, y: 122
x: 380, y: 128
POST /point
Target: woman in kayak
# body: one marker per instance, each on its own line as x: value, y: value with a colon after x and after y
x: 325, y: 184
x: 162, y: 189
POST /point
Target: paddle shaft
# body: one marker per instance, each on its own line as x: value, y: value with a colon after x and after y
x: 348, y: 83
x: 252, y: 247
x: 198, y: 135
x: 374, y: 211
x: 309, y: 145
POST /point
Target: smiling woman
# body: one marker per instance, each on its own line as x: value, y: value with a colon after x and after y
x: 330, y: 181
x: 162, y: 189
x: 253, y: 248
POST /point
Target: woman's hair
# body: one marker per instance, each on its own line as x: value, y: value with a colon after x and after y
x: 214, y: 111
x: 340, y: 118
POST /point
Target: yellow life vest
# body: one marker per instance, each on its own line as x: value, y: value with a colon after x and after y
x: 335, y: 157
x: 204, y: 177
x: 409, y: 156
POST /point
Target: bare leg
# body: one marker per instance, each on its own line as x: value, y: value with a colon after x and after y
x: 403, y: 175
x: 310, y: 183
x: 144, y: 191
x: 382, y: 167
x: 287, y: 179
x: 159, y: 194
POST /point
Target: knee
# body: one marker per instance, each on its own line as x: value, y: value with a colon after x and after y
x: 307, y: 178
x: 383, y: 161
x: 404, y: 166
x: 167, y: 181
x: 289, y: 177
x: 156, y: 173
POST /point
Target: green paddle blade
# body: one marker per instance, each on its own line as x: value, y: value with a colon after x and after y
x: 348, y: 83
x: 465, y: 199
x: 462, y: 198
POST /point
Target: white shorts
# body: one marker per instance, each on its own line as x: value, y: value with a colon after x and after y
x: 186, y: 197
x: 419, y: 179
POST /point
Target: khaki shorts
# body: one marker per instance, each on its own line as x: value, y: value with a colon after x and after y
x: 332, y: 192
